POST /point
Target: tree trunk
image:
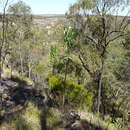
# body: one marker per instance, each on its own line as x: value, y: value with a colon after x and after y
x: 0, y: 66
x: 21, y: 62
x: 29, y: 71
x: 20, y: 56
x: 11, y: 69
x: 29, y: 74
x: 4, y: 29
x: 43, y: 118
x: 100, y: 86
x: 65, y: 78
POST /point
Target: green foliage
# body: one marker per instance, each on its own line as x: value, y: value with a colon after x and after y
x: 127, y: 41
x: 68, y: 39
x: 53, y: 81
x: 19, y: 8
x: 75, y: 95
x: 53, y: 51
x: 20, y: 12
x: 38, y: 69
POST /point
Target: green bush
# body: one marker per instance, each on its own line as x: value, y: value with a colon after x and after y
x: 75, y: 94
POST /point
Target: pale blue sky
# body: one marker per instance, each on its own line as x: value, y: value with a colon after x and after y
x: 49, y: 6
x: 54, y: 6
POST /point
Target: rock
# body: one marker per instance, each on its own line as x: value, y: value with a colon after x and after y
x: 13, y: 96
x: 5, y: 96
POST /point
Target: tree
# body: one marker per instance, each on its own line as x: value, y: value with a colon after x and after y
x: 95, y: 29
x: 20, y: 15
x: 4, y: 42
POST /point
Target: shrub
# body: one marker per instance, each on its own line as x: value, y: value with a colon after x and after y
x: 75, y: 94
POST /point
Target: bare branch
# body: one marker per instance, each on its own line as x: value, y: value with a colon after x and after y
x: 115, y: 38
x: 85, y: 66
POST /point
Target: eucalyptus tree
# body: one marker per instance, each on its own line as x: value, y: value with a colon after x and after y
x: 4, y: 33
x: 122, y: 72
x: 21, y: 17
x: 96, y: 25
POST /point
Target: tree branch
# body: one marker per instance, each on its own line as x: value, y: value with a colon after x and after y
x: 85, y: 66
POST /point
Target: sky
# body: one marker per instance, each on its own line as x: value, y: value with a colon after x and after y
x: 49, y: 6
x: 53, y: 6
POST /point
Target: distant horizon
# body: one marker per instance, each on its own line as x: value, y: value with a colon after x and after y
x: 48, y: 14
